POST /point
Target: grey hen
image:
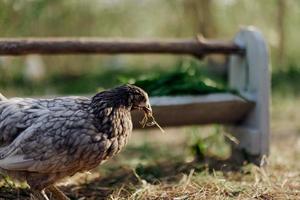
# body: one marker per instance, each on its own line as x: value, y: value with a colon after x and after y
x: 45, y: 140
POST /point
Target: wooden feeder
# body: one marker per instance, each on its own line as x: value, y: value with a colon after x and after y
x: 246, y: 116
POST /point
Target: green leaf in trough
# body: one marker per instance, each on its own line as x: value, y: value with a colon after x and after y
x: 182, y: 81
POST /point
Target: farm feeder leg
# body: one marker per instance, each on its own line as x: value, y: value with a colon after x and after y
x: 250, y: 76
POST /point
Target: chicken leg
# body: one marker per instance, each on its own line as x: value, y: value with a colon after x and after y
x: 39, y: 195
x: 57, y: 193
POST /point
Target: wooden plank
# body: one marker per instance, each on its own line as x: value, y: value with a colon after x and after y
x: 222, y: 108
x: 196, y: 47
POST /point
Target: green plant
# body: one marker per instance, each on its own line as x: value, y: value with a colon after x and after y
x: 213, y: 144
x: 190, y: 80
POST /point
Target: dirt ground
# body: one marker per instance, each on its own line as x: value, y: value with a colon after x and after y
x: 160, y: 166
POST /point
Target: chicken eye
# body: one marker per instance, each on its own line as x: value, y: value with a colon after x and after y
x: 142, y: 99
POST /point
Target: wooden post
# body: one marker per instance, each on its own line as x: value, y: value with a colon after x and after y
x: 250, y: 75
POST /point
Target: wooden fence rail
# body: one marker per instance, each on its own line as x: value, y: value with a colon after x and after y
x: 23, y: 46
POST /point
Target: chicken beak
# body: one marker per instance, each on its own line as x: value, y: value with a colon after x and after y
x: 148, y: 110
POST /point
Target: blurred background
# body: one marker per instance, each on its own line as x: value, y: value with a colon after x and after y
x: 279, y: 21
x: 77, y: 74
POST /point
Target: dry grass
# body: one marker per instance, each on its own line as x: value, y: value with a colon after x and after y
x: 257, y: 183
x: 164, y: 169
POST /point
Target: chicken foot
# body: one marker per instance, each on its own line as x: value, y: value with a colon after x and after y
x: 57, y: 193
x: 39, y: 195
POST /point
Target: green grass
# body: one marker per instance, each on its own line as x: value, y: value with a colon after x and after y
x: 64, y: 84
x: 286, y: 81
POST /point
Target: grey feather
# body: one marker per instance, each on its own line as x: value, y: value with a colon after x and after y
x: 44, y: 140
